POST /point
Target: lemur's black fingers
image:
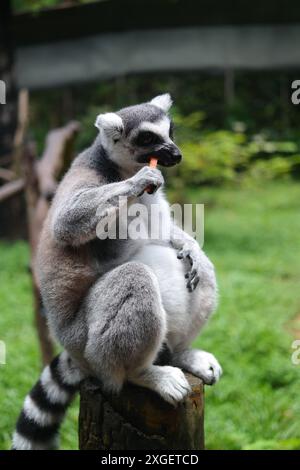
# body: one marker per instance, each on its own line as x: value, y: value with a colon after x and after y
x: 192, y: 283
x: 153, y: 186
x: 191, y: 274
x: 196, y: 282
x: 151, y: 189
x: 184, y: 254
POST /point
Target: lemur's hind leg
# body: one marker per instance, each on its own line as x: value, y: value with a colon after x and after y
x: 126, y: 330
x: 202, y: 303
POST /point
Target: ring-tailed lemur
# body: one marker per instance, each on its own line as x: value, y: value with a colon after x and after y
x: 114, y: 304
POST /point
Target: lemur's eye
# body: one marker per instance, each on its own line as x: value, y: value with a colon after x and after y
x: 146, y: 138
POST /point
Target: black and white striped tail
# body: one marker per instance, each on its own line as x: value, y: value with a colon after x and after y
x: 45, y: 406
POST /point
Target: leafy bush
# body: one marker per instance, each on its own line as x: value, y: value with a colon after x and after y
x: 36, y: 5
x: 215, y: 157
x: 212, y: 155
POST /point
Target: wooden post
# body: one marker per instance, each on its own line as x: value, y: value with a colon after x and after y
x: 138, y: 419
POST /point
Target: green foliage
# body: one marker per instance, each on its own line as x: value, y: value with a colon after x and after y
x: 88, y: 130
x: 36, y: 5
x: 214, y: 157
x: 210, y: 156
x: 256, y: 137
x: 252, y: 236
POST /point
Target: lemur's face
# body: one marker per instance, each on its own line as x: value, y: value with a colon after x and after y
x: 133, y: 135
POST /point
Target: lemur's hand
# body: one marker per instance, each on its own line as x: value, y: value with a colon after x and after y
x: 198, y: 261
x: 144, y: 178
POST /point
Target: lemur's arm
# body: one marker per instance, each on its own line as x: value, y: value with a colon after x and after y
x: 83, y: 202
x: 188, y: 248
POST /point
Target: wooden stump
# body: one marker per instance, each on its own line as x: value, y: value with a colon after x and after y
x: 138, y: 419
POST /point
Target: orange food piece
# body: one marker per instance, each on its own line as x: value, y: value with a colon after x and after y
x: 153, y: 162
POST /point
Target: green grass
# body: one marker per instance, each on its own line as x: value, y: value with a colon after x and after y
x: 22, y: 355
x: 252, y: 236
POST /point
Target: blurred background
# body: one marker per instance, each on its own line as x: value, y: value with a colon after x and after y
x: 229, y: 68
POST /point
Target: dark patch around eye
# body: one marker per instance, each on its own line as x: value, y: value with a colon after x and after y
x: 147, y: 138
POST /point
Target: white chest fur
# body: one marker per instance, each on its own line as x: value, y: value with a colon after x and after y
x: 181, y: 306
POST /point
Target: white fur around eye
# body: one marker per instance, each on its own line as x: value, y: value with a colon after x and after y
x: 163, y: 102
x: 161, y: 128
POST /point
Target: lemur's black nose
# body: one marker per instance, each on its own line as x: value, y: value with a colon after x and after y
x: 176, y: 154
x: 168, y: 154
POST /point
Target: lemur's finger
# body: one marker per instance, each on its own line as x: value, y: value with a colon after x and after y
x: 184, y: 254
x: 193, y: 282
x: 191, y: 274
x: 153, y: 187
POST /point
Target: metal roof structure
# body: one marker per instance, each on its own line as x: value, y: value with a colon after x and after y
x: 98, y: 40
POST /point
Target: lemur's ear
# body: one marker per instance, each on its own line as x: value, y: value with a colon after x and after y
x: 111, y: 124
x: 163, y: 101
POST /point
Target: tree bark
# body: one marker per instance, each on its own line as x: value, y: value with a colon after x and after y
x: 138, y: 419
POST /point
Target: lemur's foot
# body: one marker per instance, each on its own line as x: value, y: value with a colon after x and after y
x: 206, y: 367
x: 200, y: 363
x: 172, y: 385
x: 169, y: 382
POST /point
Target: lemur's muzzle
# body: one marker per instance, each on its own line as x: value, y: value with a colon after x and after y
x: 167, y: 155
